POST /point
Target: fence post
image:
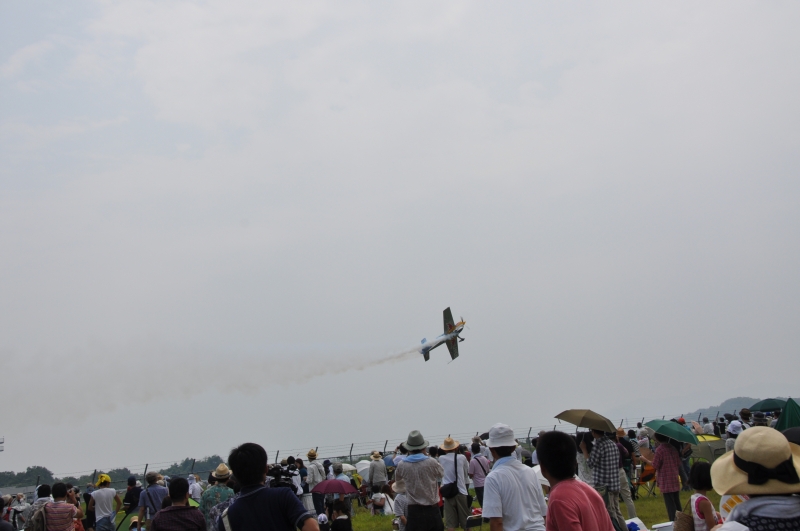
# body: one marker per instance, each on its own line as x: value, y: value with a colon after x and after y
x: 351, y: 452
x: 276, y: 457
x: 529, y: 435
x: 385, y: 445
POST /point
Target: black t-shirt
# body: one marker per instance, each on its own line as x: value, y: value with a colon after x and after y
x: 628, y: 446
x: 131, y: 499
x: 259, y: 508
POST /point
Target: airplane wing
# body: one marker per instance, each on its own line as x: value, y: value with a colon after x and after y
x: 449, y: 324
x: 452, y: 346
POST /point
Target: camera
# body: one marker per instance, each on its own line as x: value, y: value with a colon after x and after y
x: 280, y: 477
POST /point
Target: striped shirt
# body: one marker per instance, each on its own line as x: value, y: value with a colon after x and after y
x: 60, y: 516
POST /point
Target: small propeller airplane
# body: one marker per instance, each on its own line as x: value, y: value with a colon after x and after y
x: 450, y: 337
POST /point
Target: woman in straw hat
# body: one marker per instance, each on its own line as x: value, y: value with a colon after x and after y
x: 766, y: 467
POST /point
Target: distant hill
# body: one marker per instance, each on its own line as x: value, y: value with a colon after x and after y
x: 730, y: 405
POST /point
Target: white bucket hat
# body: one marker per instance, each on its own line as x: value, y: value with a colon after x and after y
x: 501, y: 435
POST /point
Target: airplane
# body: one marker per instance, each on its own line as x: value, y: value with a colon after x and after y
x: 450, y: 337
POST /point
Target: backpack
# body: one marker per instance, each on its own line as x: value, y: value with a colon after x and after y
x: 37, y: 521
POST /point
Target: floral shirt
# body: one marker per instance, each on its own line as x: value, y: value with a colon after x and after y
x: 212, y: 497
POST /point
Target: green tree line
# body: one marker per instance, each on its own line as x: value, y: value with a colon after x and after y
x: 118, y: 475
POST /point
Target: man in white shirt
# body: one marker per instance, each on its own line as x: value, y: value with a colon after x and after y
x: 456, y: 471
x: 708, y: 427
x: 316, y: 475
x: 512, y: 495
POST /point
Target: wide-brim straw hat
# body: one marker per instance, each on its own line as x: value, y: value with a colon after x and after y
x: 376, y: 456
x: 762, y: 462
x: 222, y: 472
x: 449, y: 444
x: 312, y: 454
x: 416, y: 441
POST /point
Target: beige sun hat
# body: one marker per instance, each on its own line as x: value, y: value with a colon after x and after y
x: 449, y: 444
x: 222, y: 471
x: 399, y: 486
x: 376, y: 455
x: 762, y: 462
x: 312, y: 454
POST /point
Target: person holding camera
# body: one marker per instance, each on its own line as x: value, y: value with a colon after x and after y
x: 421, y: 475
x: 259, y: 507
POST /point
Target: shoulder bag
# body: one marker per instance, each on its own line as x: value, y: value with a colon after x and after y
x: 450, y: 490
x: 683, y: 520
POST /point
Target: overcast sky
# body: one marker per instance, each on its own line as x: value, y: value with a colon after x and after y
x: 206, y: 205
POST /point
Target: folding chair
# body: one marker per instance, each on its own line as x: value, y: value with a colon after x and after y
x: 645, y: 477
x: 474, y: 521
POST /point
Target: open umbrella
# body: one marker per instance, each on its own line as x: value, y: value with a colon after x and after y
x: 586, y: 418
x: 347, y: 467
x: 673, y: 430
x: 334, y: 486
x: 769, y: 404
x: 790, y: 416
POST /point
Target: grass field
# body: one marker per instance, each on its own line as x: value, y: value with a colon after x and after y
x: 650, y: 510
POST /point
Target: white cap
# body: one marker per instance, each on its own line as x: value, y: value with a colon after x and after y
x: 322, y: 519
x: 735, y: 427
x: 501, y: 435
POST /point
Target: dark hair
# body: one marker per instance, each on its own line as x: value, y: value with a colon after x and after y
x: 211, y: 479
x: 661, y: 438
x: 631, y: 434
x: 476, y: 449
x: 299, y: 463
x: 588, y: 439
x: 178, y: 488
x: 43, y: 491
x: 233, y: 484
x: 433, y: 451
x: 166, y: 502
x: 339, y: 505
x: 59, y: 490
x: 700, y: 476
x: 403, y: 449
x: 248, y: 462
x: 291, y: 460
x: 505, y: 451
x: 556, y: 452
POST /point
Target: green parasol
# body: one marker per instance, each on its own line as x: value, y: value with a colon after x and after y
x: 673, y: 430
x: 790, y: 416
x: 768, y: 404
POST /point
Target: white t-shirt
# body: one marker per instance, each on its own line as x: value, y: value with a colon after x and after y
x: 450, y: 473
x: 388, y: 507
x: 103, y: 502
x: 512, y: 491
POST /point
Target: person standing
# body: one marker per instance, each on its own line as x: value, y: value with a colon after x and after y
x: 573, y: 505
x: 316, y: 475
x: 131, y: 500
x: 708, y: 427
x: 195, y: 490
x: 421, y: 475
x: 400, y: 504
x: 62, y: 511
x: 626, y: 460
x: 667, y: 463
x: 604, y: 462
x: 150, y: 499
x: 377, y: 472
x: 259, y: 507
x: 456, y: 471
x: 179, y: 515
x: 217, y: 493
x: 512, y: 495
x: 479, y: 467
x: 106, y: 503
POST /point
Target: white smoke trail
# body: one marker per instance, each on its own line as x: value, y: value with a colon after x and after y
x: 120, y: 376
